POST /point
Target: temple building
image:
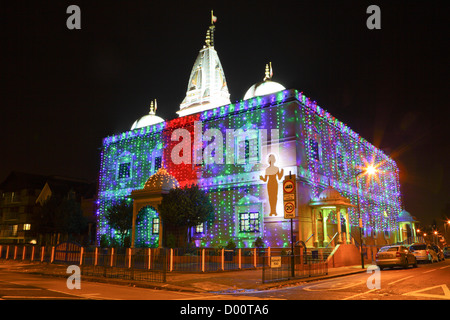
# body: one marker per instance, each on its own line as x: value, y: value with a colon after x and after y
x: 240, y: 153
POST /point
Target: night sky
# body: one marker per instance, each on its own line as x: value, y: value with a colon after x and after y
x: 64, y: 90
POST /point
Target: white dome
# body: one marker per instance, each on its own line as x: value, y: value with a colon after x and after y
x: 267, y: 86
x: 147, y: 120
x: 263, y: 88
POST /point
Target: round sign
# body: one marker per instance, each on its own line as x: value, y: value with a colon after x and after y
x: 288, y: 186
x: 289, y: 207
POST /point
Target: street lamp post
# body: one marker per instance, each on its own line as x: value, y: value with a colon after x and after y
x: 359, y: 220
x: 370, y: 170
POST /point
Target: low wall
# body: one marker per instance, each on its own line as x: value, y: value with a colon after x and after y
x: 349, y: 255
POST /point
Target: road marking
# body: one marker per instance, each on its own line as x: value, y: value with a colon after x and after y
x: 430, y: 270
x: 399, y: 280
x: 359, y: 294
x: 418, y: 293
x: 336, y: 286
x: 444, y: 267
x: 20, y: 289
x: 38, y: 297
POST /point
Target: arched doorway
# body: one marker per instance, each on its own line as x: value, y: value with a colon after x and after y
x: 151, y: 196
x: 147, y: 229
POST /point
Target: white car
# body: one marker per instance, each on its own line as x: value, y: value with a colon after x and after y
x: 424, y: 252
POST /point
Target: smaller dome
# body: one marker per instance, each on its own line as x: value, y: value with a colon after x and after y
x: 149, y: 119
x: 161, y: 180
x: 330, y: 193
x: 265, y: 87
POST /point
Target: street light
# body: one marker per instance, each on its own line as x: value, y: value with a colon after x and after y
x: 369, y: 170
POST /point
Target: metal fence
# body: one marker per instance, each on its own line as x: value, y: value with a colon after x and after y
x: 152, y: 264
x: 287, y: 267
x: 126, y: 263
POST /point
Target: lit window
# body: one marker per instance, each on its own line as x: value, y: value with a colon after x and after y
x: 199, y: 228
x: 249, y: 222
x: 155, y: 225
x: 26, y: 226
x: 124, y: 170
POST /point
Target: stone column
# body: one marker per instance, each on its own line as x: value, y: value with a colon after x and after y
x: 325, y: 232
x: 347, y: 226
x: 339, y: 229
x: 316, y: 226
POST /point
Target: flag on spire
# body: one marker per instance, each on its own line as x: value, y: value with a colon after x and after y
x: 213, y: 17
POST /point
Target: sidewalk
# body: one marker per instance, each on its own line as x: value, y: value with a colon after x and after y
x: 217, y: 282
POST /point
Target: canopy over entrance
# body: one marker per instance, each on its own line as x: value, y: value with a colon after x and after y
x: 330, y: 201
x: 151, y: 195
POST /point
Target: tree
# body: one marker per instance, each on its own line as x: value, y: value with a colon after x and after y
x: 120, y: 218
x: 184, y: 208
x: 60, y: 215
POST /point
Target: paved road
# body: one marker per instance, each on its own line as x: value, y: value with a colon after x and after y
x: 427, y: 282
x: 22, y: 286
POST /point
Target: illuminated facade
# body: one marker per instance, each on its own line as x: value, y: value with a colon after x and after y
x: 225, y: 149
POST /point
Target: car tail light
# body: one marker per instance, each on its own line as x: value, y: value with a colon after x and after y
x: 428, y: 252
x: 397, y: 254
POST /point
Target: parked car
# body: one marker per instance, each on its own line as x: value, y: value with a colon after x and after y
x: 446, y: 251
x: 396, y: 255
x: 439, y: 252
x: 424, y: 252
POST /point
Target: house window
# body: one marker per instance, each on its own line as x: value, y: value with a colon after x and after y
x: 249, y: 222
x: 199, y: 228
x: 155, y: 225
x: 247, y: 148
x: 124, y: 170
x: 157, y: 164
x: 26, y: 226
x: 314, y: 145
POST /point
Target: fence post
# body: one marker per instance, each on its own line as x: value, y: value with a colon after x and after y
x: 23, y: 252
x: 15, y: 252
x: 53, y: 254
x: 149, y: 250
x: 7, y: 252
x: 81, y: 255
x: 254, y: 257
x: 239, y: 258
x: 129, y: 257
x: 32, y: 252
x: 203, y: 260
x: 112, y: 257
x: 222, y: 259
x: 42, y: 253
x: 171, y: 260
x: 96, y: 256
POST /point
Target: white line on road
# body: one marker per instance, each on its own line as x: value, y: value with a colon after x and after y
x: 430, y: 270
x: 359, y: 294
x: 444, y: 267
x: 399, y: 280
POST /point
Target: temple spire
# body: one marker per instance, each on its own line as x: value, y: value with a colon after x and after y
x: 207, y: 87
x: 269, y: 72
x: 209, y: 41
